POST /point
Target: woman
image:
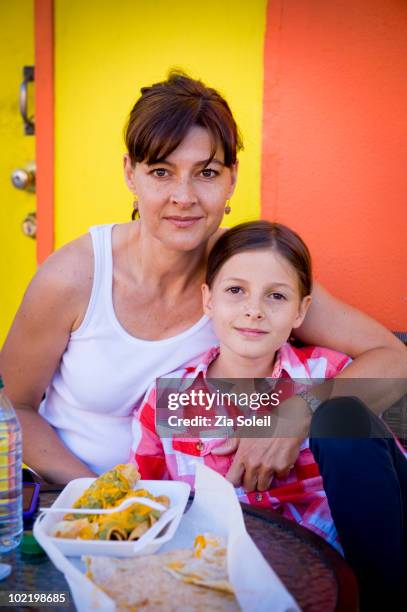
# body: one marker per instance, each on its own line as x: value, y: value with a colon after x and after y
x: 114, y: 309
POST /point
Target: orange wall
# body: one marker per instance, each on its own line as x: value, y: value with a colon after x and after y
x: 44, y: 123
x: 335, y: 143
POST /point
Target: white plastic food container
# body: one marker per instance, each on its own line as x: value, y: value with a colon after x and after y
x: 177, y: 492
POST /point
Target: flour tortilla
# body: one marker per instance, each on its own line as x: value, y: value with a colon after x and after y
x: 143, y: 583
x: 79, y: 528
x: 206, y: 564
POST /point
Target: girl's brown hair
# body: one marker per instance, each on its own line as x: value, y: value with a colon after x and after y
x: 263, y: 235
x: 166, y: 111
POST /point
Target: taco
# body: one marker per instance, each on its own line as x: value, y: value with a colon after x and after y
x: 79, y: 528
x: 109, y: 488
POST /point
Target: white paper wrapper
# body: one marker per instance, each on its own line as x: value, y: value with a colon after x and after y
x: 215, y: 509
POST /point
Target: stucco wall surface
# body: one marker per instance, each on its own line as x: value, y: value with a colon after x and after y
x: 335, y: 143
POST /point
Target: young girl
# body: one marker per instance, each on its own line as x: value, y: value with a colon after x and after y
x: 258, y: 288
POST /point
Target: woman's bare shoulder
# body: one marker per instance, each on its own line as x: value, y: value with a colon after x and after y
x: 65, y: 280
x: 52, y: 307
x: 70, y: 266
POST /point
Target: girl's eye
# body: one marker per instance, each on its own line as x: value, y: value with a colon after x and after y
x: 234, y: 290
x: 209, y: 173
x: 159, y: 172
x: 277, y: 296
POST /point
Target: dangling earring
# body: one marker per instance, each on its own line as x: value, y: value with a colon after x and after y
x: 228, y: 210
x: 135, y: 212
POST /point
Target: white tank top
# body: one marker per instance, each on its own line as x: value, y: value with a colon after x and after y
x: 105, y: 371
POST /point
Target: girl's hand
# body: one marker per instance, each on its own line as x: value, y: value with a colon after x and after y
x: 258, y: 460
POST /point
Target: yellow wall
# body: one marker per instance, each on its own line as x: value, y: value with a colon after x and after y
x: 105, y: 51
x: 17, y: 252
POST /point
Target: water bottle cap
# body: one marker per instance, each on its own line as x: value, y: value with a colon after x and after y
x: 30, y: 546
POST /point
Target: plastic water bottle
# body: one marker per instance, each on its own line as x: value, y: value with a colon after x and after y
x: 11, y: 497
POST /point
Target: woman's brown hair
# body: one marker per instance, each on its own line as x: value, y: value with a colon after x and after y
x: 263, y: 235
x: 166, y: 111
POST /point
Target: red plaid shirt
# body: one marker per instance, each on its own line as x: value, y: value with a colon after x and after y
x: 300, y: 496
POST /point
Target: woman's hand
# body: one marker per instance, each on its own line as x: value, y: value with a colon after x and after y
x: 258, y: 460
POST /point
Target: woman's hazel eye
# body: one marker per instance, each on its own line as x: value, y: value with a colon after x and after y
x: 160, y: 172
x: 209, y: 173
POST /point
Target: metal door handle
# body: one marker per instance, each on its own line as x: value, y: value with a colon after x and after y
x: 28, y: 74
x: 29, y: 225
x: 24, y: 178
